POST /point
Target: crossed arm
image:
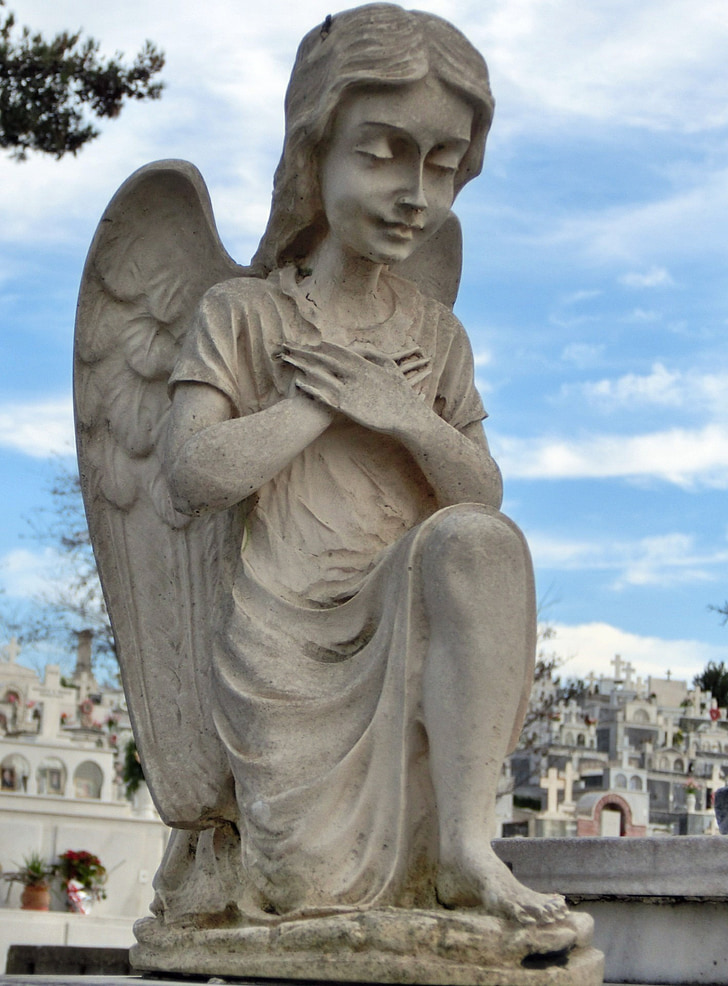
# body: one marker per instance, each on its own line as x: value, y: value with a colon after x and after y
x: 214, y: 460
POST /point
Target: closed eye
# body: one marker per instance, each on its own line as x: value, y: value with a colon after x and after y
x: 377, y: 147
x: 446, y: 157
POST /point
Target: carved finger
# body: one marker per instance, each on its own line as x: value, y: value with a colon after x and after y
x: 314, y: 366
x: 415, y: 378
x: 317, y: 394
x: 375, y: 356
x: 416, y: 364
x: 341, y: 355
x: 405, y: 354
x: 308, y: 359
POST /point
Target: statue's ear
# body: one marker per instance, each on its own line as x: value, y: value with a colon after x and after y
x: 436, y: 267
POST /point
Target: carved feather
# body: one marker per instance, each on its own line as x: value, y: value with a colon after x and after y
x: 154, y: 255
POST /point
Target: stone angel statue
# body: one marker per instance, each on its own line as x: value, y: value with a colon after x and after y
x: 325, y: 626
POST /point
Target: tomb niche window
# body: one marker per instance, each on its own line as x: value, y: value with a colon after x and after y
x: 14, y: 771
x: 580, y: 740
x: 11, y: 702
x: 51, y: 776
x: 620, y: 781
x: 635, y: 783
x: 88, y: 779
x: 678, y: 766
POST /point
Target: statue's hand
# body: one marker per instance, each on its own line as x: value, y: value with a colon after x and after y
x: 370, y: 387
x: 411, y: 363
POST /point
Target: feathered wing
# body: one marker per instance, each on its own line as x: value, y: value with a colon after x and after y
x: 155, y: 253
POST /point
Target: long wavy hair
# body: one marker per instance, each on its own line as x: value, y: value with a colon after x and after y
x: 374, y: 45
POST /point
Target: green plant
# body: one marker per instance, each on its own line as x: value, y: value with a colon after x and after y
x: 133, y: 772
x: 35, y: 871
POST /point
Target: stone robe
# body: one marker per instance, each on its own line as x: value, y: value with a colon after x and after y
x: 317, y: 667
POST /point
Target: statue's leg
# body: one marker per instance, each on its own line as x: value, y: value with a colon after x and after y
x: 478, y: 591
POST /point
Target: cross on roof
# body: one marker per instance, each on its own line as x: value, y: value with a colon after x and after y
x: 11, y: 650
x: 697, y: 696
x: 569, y: 778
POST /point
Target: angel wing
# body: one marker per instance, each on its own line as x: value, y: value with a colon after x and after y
x: 155, y: 253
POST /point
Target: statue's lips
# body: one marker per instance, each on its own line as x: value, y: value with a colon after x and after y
x: 403, y: 230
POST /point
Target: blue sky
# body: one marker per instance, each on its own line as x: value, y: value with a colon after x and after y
x: 594, y: 289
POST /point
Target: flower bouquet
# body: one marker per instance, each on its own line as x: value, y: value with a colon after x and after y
x: 83, y: 876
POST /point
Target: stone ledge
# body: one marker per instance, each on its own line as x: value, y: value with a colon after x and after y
x: 659, y: 905
x: 684, y: 867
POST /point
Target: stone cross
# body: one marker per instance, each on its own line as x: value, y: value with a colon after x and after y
x: 696, y: 697
x: 625, y: 754
x: 628, y: 672
x: 569, y: 778
x: 552, y: 783
x: 617, y: 662
x: 11, y: 651
x: 716, y: 780
x: 52, y: 696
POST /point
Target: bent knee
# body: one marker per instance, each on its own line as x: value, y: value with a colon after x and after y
x: 471, y: 536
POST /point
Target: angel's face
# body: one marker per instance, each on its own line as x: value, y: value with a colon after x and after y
x: 387, y: 174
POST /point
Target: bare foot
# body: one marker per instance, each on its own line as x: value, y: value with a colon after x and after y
x: 480, y: 879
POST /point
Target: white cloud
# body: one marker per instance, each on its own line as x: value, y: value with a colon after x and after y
x: 641, y: 316
x: 685, y: 457
x: 576, y: 297
x: 591, y: 647
x: 39, y: 429
x: 656, y: 64
x: 582, y: 354
x: 662, y: 560
x: 27, y: 574
x: 630, y: 232
x: 653, y: 278
x: 661, y: 387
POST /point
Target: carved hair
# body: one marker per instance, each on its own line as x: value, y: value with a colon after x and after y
x: 378, y: 44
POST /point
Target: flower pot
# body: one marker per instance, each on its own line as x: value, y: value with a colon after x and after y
x: 35, y: 898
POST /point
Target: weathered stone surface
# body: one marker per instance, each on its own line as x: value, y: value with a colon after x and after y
x: 326, y: 627
x: 383, y: 946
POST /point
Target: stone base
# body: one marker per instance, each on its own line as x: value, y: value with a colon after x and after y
x: 385, y: 945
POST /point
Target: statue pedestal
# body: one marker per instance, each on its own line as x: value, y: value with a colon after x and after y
x: 385, y: 945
